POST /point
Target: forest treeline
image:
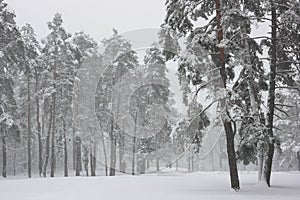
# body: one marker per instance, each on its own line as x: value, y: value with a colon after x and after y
x: 252, y: 84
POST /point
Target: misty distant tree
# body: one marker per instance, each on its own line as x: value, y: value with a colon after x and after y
x: 119, y: 58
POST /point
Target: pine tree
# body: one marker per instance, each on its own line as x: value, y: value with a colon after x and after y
x: 11, y: 51
x: 31, y: 53
x: 61, y: 59
x: 119, y: 59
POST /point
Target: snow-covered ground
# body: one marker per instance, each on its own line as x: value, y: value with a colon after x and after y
x: 163, y: 186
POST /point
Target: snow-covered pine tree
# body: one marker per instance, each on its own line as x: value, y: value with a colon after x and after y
x: 11, y: 51
x: 284, y: 55
x: 119, y: 58
x: 88, y: 50
x: 209, y: 49
x: 30, y: 68
x: 61, y: 59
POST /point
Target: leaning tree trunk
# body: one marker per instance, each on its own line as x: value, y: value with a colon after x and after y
x: 28, y: 127
x: 37, y: 101
x: 234, y: 178
x: 4, y: 156
x: 271, y: 98
x: 47, y: 150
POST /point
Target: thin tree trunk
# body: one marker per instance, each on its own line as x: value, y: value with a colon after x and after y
x: 86, y: 161
x: 113, y: 144
x: 47, y: 150
x: 133, y: 145
x: 298, y: 159
x: 28, y: 127
x: 93, y: 160
x: 105, y: 156
x: 4, y: 157
x: 78, y: 156
x: 142, y: 165
x: 65, y: 150
x: 189, y: 163
x: 157, y: 164
x: 14, y: 160
x: 234, y: 178
x: 37, y: 101
x: 74, y: 148
x: 148, y: 164
x: 192, y: 164
x: 271, y: 98
x: 53, y: 156
x: 121, y: 153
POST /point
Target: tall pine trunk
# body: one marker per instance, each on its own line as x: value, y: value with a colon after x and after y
x: 15, y: 160
x: 53, y: 156
x: 121, y: 154
x: 47, y: 150
x: 234, y: 178
x: 78, y: 165
x: 271, y: 97
x: 37, y: 101
x: 28, y: 127
x: 157, y: 164
x: 4, y: 156
x: 113, y: 144
x: 134, y: 144
x: 105, y: 156
x: 93, y: 160
x: 65, y: 150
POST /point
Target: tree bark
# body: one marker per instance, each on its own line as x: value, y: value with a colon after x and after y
x: 93, y: 160
x: 86, y: 161
x: 271, y: 97
x: 298, y: 159
x: 157, y: 164
x: 113, y: 148
x: 4, y: 157
x: 28, y: 127
x: 37, y: 101
x: 105, y: 156
x: 121, y: 154
x: 142, y: 165
x: 15, y: 160
x: 78, y: 166
x: 47, y: 150
x: 234, y: 178
x: 133, y: 145
x: 53, y: 156
x: 65, y: 150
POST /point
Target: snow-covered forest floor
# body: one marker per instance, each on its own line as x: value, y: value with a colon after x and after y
x: 161, y: 186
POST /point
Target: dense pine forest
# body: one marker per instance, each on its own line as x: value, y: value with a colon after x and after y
x: 72, y: 106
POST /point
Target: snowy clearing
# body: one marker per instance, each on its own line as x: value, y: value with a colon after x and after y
x: 173, y: 186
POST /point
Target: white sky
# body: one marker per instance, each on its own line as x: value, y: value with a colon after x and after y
x: 95, y: 17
